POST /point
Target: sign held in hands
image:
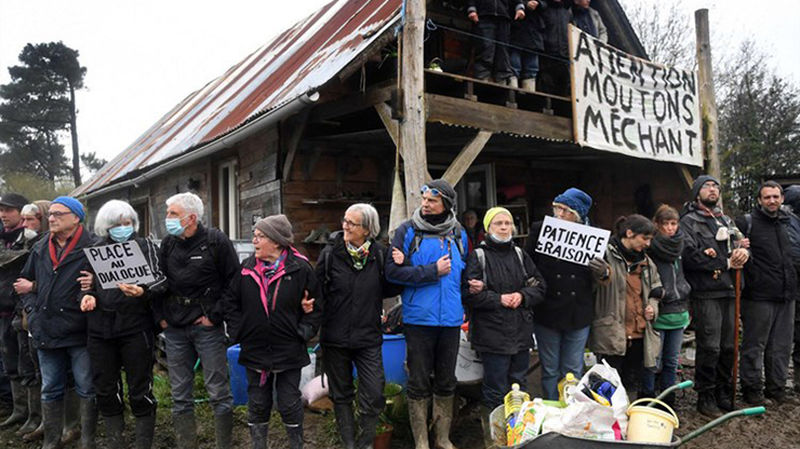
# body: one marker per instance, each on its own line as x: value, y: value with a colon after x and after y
x: 570, y: 241
x: 119, y: 263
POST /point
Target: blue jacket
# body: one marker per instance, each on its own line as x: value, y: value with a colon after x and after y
x: 429, y: 300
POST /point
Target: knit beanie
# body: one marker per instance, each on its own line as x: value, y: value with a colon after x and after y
x: 791, y: 197
x: 72, y: 204
x: 577, y: 200
x: 698, y: 184
x: 277, y: 228
x: 491, y: 213
x: 446, y: 190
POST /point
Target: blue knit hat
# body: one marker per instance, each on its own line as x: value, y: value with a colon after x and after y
x: 577, y: 200
x: 72, y: 204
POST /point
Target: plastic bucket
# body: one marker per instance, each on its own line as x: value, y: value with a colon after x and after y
x: 649, y: 424
x: 238, y: 376
x: 394, y: 359
x: 469, y: 367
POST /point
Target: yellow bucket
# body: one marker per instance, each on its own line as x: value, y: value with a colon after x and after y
x: 649, y: 424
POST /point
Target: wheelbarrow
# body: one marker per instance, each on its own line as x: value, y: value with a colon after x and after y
x: 553, y: 440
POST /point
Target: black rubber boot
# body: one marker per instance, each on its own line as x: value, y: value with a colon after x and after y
x: 707, y: 404
x: 223, y: 428
x: 295, y: 434
x: 115, y: 425
x: 185, y: 430
x: 88, y: 423
x: 345, y: 423
x: 19, y: 399
x: 53, y: 419
x: 258, y: 435
x: 145, y: 428
x: 34, y: 411
x: 72, y: 423
x: 368, y: 424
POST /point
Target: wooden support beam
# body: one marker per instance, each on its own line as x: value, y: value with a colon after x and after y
x: 708, y: 99
x: 298, y: 127
x: 685, y: 175
x: 392, y: 127
x: 489, y: 117
x: 352, y: 103
x: 466, y: 157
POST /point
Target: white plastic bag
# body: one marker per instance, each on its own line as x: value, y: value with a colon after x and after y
x: 587, y: 418
x: 315, y: 389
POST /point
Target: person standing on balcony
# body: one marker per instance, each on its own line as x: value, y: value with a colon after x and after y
x: 527, y: 41
x: 554, y: 66
x: 492, y: 23
x: 588, y: 19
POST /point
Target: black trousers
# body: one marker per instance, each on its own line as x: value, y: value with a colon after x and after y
x: 431, y: 350
x: 134, y: 354
x: 369, y: 364
x: 554, y: 76
x: 491, y: 50
x: 15, y: 350
x: 259, y: 396
x: 713, y: 324
x: 767, y: 330
x: 629, y: 366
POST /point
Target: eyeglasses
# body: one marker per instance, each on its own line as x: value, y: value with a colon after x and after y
x: 259, y: 237
x: 350, y: 224
x: 710, y: 185
x: 58, y: 214
x: 434, y: 192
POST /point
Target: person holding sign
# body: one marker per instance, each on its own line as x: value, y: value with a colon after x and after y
x: 273, y: 307
x: 501, y: 288
x: 562, y: 320
x: 198, y: 262
x: 714, y: 250
x: 622, y: 329
x: 121, y: 331
x: 53, y: 276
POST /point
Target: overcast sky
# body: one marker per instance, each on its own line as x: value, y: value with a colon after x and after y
x: 145, y: 56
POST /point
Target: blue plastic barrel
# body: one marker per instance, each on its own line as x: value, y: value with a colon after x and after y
x: 238, y: 376
x: 394, y: 358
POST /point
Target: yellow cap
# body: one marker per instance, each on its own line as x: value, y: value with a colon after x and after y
x: 490, y: 214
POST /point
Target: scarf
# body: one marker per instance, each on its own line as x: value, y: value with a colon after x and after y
x: 633, y: 258
x: 359, y: 255
x: 70, y: 246
x: 9, y: 236
x: 425, y: 224
x: 667, y: 248
x: 708, y: 212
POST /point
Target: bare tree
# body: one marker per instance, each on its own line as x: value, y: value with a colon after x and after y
x: 665, y: 29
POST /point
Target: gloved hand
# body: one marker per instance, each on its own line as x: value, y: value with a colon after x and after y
x: 599, y: 268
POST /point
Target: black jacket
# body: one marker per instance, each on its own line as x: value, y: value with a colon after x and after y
x: 529, y: 32
x: 198, y: 270
x: 556, y: 20
x: 673, y: 280
x: 709, y: 276
x: 569, y: 300
x: 117, y: 315
x: 353, y: 298
x: 276, y: 341
x: 497, y: 8
x: 55, y: 319
x: 12, y: 259
x: 493, y: 327
x: 769, y: 273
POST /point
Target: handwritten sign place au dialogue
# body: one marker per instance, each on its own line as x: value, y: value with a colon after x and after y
x: 119, y: 263
x: 571, y: 241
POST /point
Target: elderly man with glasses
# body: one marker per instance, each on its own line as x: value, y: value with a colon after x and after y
x: 428, y: 256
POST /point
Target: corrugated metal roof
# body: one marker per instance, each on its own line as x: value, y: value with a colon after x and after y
x: 297, y: 61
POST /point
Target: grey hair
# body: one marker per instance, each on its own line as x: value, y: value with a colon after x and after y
x: 111, y: 214
x: 190, y: 202
x: 31, y: 209
x: 369, y: 216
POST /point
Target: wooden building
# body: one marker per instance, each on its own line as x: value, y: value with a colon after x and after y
x: 307, y: 125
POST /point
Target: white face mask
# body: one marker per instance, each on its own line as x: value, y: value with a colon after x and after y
x: 30, y: 233
x: 499, y: 239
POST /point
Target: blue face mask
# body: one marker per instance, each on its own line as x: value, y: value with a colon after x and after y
x: 174, y: 226
x: 120, y: 234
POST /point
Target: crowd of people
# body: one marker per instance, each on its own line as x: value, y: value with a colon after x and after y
x: 66, y: 340
x: 513, y: 34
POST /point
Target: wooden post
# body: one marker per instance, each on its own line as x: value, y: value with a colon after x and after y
x: 708, y: 100
x: 464, y: 160
x: 412, y: 128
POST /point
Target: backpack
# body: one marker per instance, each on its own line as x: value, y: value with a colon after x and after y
x: 454, y: 237
x: 480, y: 254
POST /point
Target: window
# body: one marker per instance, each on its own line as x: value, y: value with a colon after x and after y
x: 228, y: 200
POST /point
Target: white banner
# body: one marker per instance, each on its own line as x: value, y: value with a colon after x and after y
x: 570, y: 241
x: 119, y: 263
x: 631, y: 106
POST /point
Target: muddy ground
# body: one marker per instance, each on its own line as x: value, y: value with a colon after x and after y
x: 779, y: 428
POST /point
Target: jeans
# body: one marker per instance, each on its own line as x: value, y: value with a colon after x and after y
x: 55, y: 364
x: 259, y: 396
x: 560, y: 352
x: 184, y: 345
x: 134, y: 354
x: 524, y: 65
x: 490, y: 57
x: 431, y: 350
x: 713, y: 323
x: 766, y: 343
x: 666, y: 361
x: 369, y: 363
x: 629, y: 366
x: 499, y: 372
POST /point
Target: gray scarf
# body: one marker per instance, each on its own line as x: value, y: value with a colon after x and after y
x: 444, y: 228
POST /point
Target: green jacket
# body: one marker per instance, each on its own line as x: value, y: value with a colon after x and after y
x: 607, y: 334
